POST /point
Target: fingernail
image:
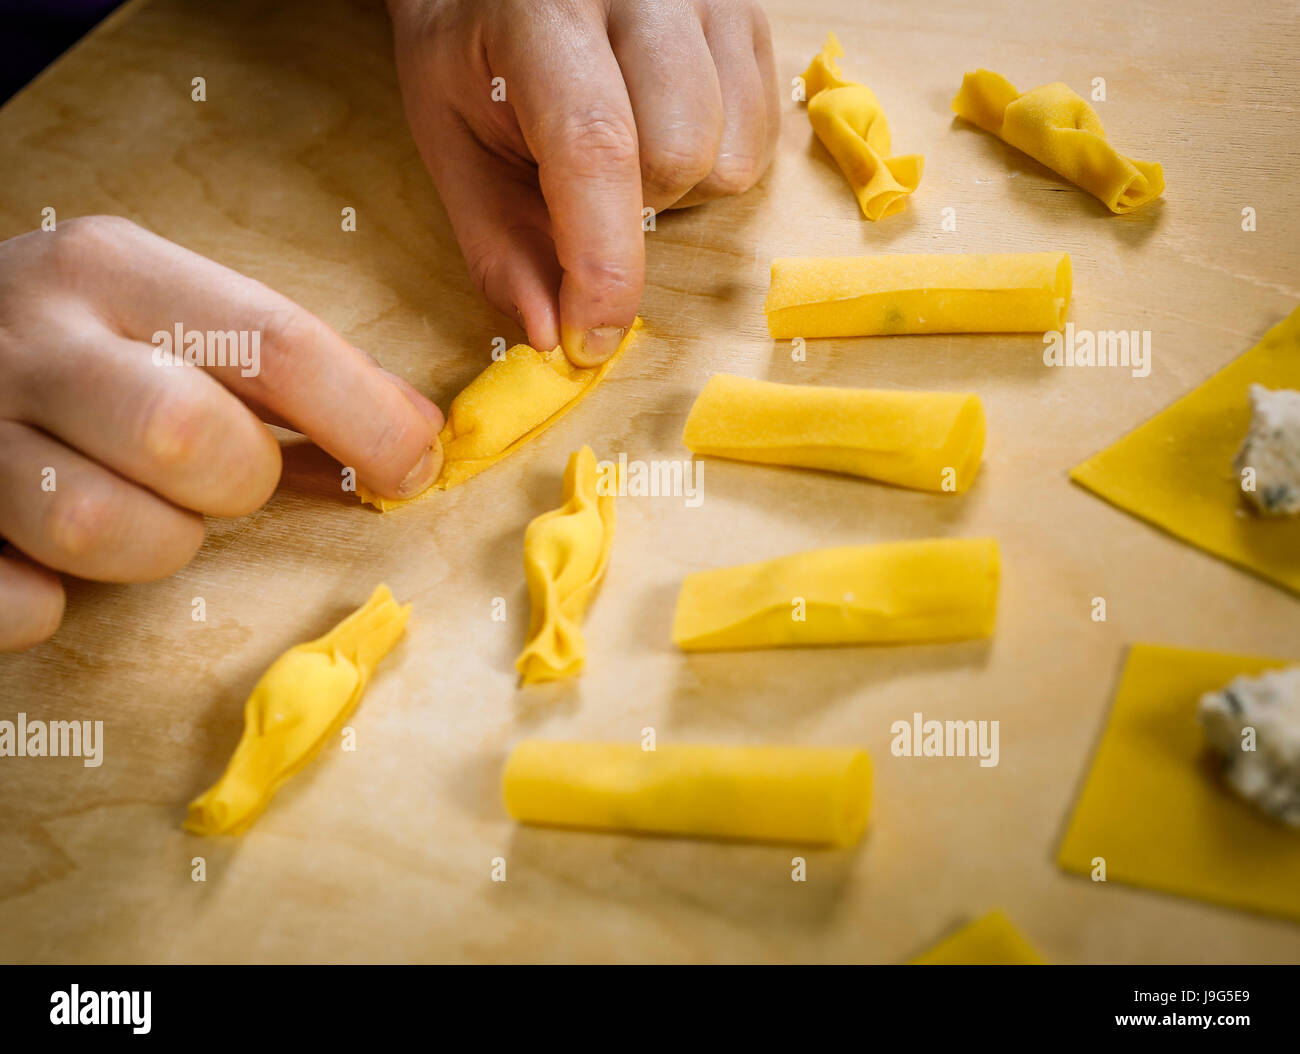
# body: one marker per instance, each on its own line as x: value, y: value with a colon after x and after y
x: 425, y: 472
x: 600, y: 343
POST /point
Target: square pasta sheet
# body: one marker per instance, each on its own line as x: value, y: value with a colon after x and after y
x: 1176, y: 470
x: 989, y: 941
x: 1154, y: 806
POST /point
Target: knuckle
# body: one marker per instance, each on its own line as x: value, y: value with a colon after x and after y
x: 600, y: 275
x: 76, y: 525
x: 599, y: 138
x: 83, y: 236
x: 734, y: 174
x: 483, y: 259
x: 289, y: 329
x: 171, y: 430
x: 289, y: 338
x: 677, y: 165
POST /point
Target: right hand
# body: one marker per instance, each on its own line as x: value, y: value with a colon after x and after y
x: 140, y: 452
x: 610, y: 106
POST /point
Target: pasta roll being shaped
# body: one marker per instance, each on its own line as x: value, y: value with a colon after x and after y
x: 565, y: 553
x: 809, y: 796
x: 923, y: 440
x: 300, y: 703
x: 895, y: 293
x: 514, y: 400
x: 1059, y: 129
x: 894, y: 593
x: 848, y: 120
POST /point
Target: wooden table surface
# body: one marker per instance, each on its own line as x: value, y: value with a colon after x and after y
x: 386, y: 853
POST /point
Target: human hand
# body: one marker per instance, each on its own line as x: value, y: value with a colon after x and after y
x: 609, y: 106
x: 109, y: 460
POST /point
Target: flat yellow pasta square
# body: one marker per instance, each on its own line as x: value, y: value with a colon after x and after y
x: 1176, y: 470
x: 989, y: 941
x: 1154, y: 807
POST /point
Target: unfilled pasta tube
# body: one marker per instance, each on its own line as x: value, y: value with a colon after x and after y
x: 849, y: 121
x: 514, y: 400
x: 892, y: 593
x: 300, y: 703
x: 565, y: 553
x: 853, y: 296
x: 810, y: 796
x: 924, y: 440
x: 1059, y: 129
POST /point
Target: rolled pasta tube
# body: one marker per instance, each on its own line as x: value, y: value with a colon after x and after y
x: 1058, y: 128
x: 802, y: 795
x: 892, y: 593
x: 514, y: 400
x: 565, y: 553
x: 299, y: 704
x: 857, y: 296
x: 924, y: 440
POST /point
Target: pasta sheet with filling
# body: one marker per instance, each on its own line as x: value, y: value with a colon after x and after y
x: 1154, y: 806
x: 513, y: 401
x: 1176, y: 471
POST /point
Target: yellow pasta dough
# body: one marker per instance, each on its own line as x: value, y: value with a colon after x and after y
x: 514, y: 400
x: 936, y: 590
x: 299, y: 704
x: 1059, y: 129
x: 988, y: 941
x: 1176, y: 470
x: 851, y: 125
x: 924, y: 440
x: 801, y: 795
x: 858, y: 296
x: 1155, y: 808
x: 565, y: 553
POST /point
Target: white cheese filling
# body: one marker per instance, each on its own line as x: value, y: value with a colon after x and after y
x: 1272, y: 450
x: 1254, y: 722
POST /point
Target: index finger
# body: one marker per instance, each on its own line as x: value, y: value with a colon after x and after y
x: 573, y: 109
x: 305, y: 374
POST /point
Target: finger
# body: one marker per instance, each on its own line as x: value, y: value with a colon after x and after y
x: 295, y: 366
x: 746, y: 147
x: 31, y: 602
x: 673, y: 87
x: 574, y: 112
x: 173, y: 429
x: 766, y: 59
x: 70, y: 514
x: 501, y: 224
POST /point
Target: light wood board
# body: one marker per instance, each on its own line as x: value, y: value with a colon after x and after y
x: 386, y: 853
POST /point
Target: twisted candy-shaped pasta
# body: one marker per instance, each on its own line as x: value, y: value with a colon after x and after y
x: 565, y: 553
x: 851, y: 125
x: 298, y: 705
x: 1058, y: 128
